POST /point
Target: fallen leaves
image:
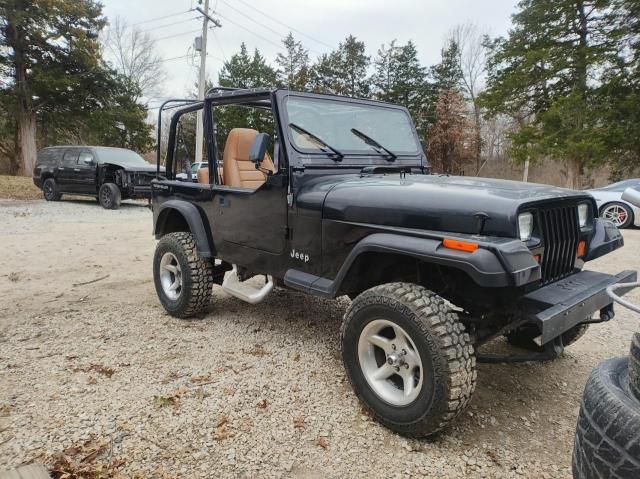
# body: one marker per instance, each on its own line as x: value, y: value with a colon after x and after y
x: 298, y: 421
x: 322, y: 442
x: 221, y: 431
x: 89, y: 460
x: 257, y: 350
x: 263, y: 404
x: 96, y: 368
x: 172, y: 399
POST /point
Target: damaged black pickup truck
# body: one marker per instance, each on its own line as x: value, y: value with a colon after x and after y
x: 108, y: 174
x: 334, y: 196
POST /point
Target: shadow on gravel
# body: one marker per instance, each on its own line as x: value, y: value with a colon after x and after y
x: 528, y: 398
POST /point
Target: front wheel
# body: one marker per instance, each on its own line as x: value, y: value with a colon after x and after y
x: 408, y: 358
x: 183, y: 280
x: 109, y: 196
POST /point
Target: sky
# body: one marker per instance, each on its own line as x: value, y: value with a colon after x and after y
x: 320, y: 25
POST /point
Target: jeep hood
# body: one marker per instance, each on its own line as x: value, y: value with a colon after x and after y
x: 432, y: 202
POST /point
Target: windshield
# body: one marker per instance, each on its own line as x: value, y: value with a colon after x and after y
x: 332, y: 121
x: 120, y: 155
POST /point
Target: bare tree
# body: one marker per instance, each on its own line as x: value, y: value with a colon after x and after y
x: 472, y: 62
x: 451, y: 135
x: 132, y: 53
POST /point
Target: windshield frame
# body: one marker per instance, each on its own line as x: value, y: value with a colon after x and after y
x: 352, y: 159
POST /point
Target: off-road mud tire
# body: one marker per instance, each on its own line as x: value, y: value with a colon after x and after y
x: 109, y: 196
x: 50, y: 190
x: 634, y: 366
x: 607, y: 442
x: 523, y: 338
x: 197, y: 276
x: 440, y: 338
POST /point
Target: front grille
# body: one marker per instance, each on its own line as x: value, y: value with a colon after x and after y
x: 560, y: 233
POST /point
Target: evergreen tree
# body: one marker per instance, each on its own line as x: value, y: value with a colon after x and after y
x: 399, y: 78
x: 543, y: 75
x: 244, y: 71
x: 447, y: 75
x: 54, y: 79
x: 344, y: 71
x: 294, y: 70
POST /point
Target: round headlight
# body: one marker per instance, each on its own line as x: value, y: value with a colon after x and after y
x: 583, y: 214
x: 525, y: 225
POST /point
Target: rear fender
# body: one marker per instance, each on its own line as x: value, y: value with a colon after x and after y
x: 166, y: 223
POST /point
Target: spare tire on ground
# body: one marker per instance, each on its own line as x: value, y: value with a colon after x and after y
x: 634, y: 365
x: 607, y: 443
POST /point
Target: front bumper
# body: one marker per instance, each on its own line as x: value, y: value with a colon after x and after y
x: 559, y: 306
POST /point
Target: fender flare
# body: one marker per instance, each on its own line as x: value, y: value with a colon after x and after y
x: 194, y: 220
x: 484, y: 266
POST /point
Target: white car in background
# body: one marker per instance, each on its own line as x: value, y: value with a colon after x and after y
x: 612, y: 207
x: 194, y: 171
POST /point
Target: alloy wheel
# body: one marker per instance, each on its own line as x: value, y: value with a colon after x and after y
x: 390, y: 362
x: 171, y: 276
x: 616, y: 214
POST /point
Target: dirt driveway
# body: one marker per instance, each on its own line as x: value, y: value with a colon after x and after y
x: 87, y: 354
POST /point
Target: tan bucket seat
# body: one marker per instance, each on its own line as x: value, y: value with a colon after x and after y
x: 237, y: 169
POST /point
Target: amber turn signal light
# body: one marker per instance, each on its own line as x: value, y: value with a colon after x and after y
x: 581, y: 250
x: 460, y: 245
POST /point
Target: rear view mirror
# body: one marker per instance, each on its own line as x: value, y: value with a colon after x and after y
x: 259, y: 149
x: 632, y: 195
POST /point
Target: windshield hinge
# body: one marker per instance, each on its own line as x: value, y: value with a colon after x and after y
x: 287, y: 232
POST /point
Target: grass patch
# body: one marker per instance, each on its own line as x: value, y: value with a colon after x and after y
x: 19, y: 188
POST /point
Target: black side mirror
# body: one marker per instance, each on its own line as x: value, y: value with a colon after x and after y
x: 88, y: 161
x: 259, y: 148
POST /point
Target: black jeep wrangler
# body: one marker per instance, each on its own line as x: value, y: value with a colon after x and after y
x: 108, y: 174
x: 334, y: 197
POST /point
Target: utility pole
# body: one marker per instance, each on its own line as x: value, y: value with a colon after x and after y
x: 202, y: 79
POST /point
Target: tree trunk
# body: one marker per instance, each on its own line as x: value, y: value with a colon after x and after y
x: 27, y: 147
x: 573, y: 174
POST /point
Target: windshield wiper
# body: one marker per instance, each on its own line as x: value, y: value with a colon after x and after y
x: 374, y: 144
x: 325, y: 146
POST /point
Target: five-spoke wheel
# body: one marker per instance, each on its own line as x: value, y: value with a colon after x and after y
x: 618, y: 213
x: 390, y: 362
x: 171, y: 275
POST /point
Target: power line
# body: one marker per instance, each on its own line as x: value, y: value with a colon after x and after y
x: 251, y: 31
x: 285, y: 25
x: 279, y: 34
x: 161, y: 18
x: 168, y: 25
x: 177, y: 35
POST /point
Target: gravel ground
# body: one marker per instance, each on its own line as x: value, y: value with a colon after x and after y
x: 247, y: 391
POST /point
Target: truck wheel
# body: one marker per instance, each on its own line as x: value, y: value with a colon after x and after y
x: 183, y: 280
x: 607, y: 442
x: 109, y: 196
x: 50, y: 190
x: 408, y: 358
x: 523, y: 337
x: 634, y: 366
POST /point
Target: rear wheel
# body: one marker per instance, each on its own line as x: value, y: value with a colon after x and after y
x: 109, y: 196
x: 408, y: 358
x: 183, y: 280
x: 524, y: 337
x: 618, y: 213
x: 607, y: 442
x: 50, y: 190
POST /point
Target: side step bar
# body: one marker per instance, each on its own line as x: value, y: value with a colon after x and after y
x: 244, y: 291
